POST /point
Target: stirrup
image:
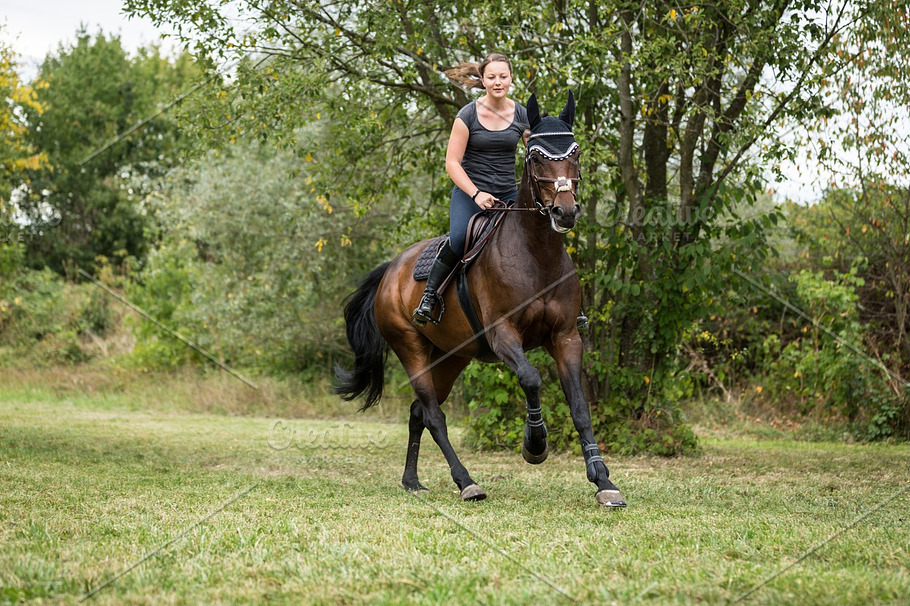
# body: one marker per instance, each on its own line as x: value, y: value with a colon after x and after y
x: 424, y: 313
x: 582, y: 322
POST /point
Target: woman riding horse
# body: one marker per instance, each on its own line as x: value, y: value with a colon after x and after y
x: 526, y: 293
x: 480, y: 159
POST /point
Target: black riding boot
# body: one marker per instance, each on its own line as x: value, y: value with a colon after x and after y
x: 442, y: 267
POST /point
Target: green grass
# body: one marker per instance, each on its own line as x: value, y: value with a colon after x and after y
x: 94, y: 479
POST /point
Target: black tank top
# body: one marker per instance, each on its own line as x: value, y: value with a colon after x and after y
x: 489, y: 158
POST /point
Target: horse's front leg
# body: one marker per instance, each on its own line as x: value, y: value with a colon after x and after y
x: 534, y: 448
x: 567, y: 351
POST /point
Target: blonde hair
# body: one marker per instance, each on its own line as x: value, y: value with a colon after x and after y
x: 471, y: 74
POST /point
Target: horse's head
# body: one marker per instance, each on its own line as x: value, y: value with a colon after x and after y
x: 551, y: 164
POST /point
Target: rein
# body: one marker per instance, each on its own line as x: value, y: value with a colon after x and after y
x: 511, y: 209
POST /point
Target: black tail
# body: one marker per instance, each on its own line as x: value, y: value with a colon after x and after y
x: 370, y: 349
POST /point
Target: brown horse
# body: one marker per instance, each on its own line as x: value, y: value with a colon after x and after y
x: 527, y: 295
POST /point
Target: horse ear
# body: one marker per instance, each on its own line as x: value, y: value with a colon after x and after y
x: 568, y: 112
x: 533, y: 112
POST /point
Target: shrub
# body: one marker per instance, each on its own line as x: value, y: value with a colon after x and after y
x: 497, y: 411
x: 817, y: 374
x: 46, y: 320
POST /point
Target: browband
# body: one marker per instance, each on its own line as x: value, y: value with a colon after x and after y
x: 563, y: 134
x: 550, y: 155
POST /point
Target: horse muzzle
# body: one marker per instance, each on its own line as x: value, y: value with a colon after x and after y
x: 563, y: 220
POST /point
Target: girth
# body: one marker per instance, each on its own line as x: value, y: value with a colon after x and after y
x: 484, y: 351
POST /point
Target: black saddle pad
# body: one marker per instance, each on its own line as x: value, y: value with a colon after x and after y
x: 426, y: 258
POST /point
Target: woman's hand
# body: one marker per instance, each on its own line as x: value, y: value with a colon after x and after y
x: 484, y: 200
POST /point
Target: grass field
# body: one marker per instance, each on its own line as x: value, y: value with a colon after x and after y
x: 210, y: 507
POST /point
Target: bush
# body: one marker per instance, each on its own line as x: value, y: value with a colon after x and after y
x: 44, y: 319
x: 815, y: 374
x: 252, y: 265
x: 497, y: 412
x: 11, y: 258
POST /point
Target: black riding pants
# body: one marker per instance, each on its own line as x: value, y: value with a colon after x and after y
x: 461, y: 209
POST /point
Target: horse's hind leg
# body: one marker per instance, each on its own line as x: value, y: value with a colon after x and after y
x: 432, y: 384
x: 435, y: 421
x: 415, y: 431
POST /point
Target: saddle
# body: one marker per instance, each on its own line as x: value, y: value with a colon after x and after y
x: 481, y: 228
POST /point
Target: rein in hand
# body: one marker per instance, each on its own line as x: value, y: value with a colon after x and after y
x: 509, y: 209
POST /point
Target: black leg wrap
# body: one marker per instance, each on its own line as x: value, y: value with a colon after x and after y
x: 592, y: 457
x: 535, y: 429
x: 535, y: 449
x: 535, y: 417
x: 607, y: 493
x: 582, y: 321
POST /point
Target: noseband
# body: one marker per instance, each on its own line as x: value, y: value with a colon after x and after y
x: 561, y: 183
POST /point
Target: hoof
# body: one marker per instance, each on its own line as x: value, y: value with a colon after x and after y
x: 535, y: 459
x: 416, y: 489
x: 473, y: 493
x: 610, y: 498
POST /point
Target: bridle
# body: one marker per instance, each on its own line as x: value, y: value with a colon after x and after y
x: 561, y: 183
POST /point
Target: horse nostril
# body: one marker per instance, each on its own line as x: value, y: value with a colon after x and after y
x: 577, y: 210
x: 558, y: 212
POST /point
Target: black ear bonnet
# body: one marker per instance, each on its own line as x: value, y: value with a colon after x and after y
x: 552, y: 137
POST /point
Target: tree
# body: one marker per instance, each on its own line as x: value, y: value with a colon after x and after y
x: 867, y: 206
x: 252, y: 262
x: 91, y: 92
x: 679, y: 106
x: 868, y: 229
x: 861, y: 147
x: 863, y: 232
x: 17, y: 154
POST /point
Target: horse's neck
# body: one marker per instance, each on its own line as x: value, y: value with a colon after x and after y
x: 529, y: 235
x: 536, y: 226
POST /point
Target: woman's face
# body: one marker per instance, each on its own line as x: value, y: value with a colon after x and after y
x: 497, y: 77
